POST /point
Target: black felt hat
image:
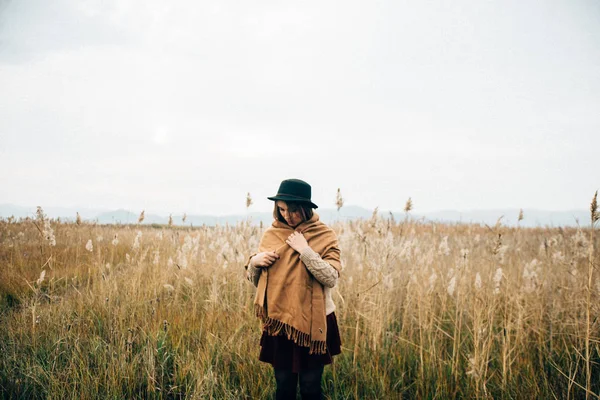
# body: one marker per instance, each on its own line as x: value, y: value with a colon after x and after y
x: 294, y: 190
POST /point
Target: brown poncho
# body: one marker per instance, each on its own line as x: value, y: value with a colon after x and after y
x: 288, y: 298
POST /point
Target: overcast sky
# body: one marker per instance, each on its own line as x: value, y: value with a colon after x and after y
x: 186, y: 106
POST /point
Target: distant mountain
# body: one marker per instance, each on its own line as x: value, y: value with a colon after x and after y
x: 118, y: 216
x: 64, y: 213
x: 532, y: 217
x: 7, y: 210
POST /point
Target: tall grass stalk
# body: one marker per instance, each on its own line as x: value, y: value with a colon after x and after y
x: 588, y: 363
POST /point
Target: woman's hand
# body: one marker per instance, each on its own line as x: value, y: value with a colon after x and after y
x: 297, y: 241
x: 264, y: 259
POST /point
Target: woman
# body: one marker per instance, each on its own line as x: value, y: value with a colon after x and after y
x: 297, y: 265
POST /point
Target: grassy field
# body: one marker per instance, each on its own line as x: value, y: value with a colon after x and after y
x: 425, y: 311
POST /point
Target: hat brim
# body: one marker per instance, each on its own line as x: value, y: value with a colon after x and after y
x: 295, y: 199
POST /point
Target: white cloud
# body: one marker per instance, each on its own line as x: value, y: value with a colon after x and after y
x: 161, y: 135
x: 196, y: 103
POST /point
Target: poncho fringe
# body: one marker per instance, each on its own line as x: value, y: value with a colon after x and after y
x: 274, y: 328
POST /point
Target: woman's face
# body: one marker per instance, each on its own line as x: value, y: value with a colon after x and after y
x: 293, y: 218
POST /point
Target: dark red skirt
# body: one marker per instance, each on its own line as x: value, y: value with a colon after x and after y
x: 283, y: 353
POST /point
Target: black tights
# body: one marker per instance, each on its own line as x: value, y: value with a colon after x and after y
x: 310, y: 384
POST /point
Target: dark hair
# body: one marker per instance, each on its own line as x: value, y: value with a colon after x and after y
x: 305, y: 210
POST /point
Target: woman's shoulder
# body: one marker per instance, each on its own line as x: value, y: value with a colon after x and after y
x: 326, y: 229
x: 269, y: 230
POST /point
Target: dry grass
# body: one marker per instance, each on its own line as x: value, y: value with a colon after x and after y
x: 425, y: 310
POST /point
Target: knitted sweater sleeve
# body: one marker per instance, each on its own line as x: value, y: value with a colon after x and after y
x: 319, y: 268
x: 253, y: 273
